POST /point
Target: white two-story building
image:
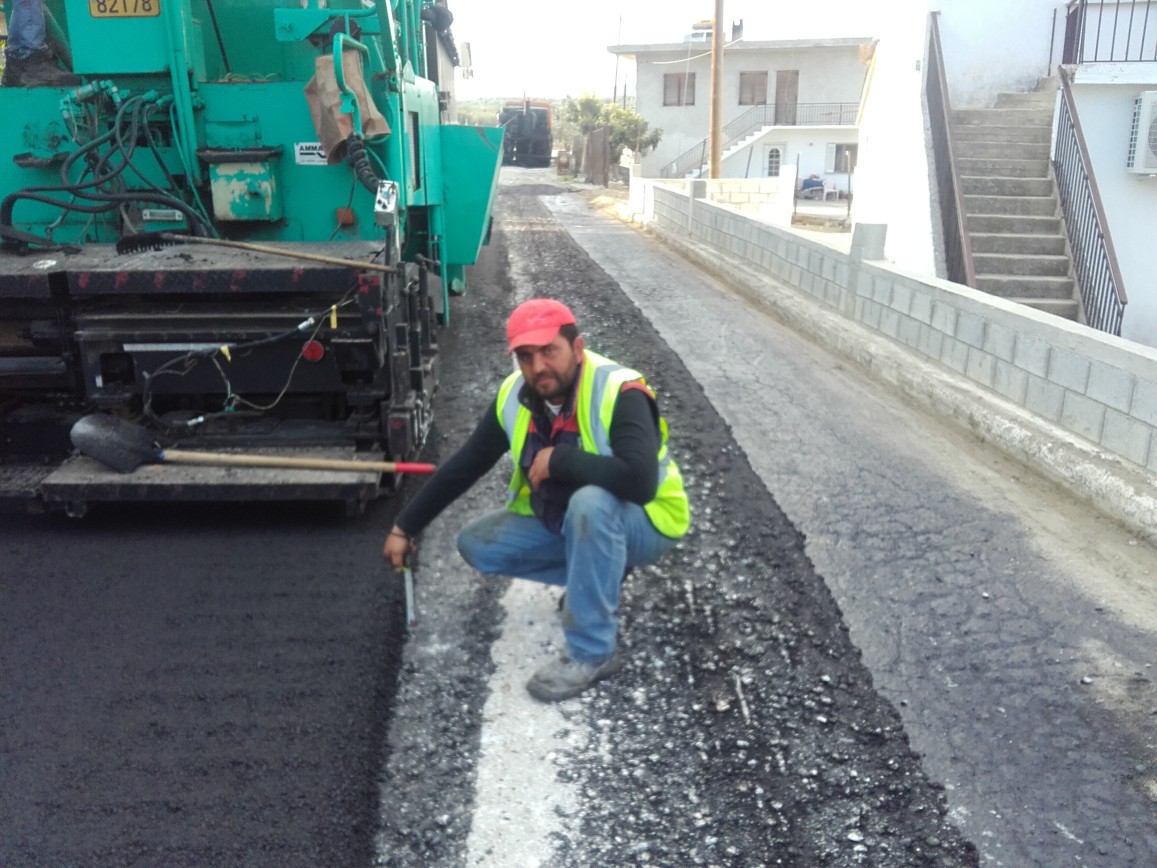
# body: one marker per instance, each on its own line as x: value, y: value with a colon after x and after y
x: 785, y: 103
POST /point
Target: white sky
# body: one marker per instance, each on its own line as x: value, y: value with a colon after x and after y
x: 553, y: 49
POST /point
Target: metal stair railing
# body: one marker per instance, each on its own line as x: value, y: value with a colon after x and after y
x: 1120, y: 32
x: 798, y: 114
x: 747, y: 123
x: 1098, y: 275
x: 686, y: 161
x: 696, y: 156
x: 957, y: 243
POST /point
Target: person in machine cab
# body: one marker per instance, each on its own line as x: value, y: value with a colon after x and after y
x: 593, y: 494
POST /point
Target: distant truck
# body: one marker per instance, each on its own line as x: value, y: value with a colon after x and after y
x: 528, y: 135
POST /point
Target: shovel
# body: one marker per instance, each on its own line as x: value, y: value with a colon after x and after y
x: 124, y: 446
x: 156, y: 240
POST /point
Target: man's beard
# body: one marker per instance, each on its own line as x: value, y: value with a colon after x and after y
x: 559, y: 391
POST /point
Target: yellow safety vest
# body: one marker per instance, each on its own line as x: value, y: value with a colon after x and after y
x: 598, y: 390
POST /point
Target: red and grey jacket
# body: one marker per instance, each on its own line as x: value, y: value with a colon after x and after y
x: 588, y: 414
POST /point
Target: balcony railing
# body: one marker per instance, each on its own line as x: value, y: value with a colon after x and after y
x: 816, y: 114
x: 1115, y: 31
x: 957, y: 244
x: 1094, y: 260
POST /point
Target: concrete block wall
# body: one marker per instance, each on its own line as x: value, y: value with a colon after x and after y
x: 761, y: 193
x: 1097, y: 387
x: 771, y: 198
x: 1078, y: 404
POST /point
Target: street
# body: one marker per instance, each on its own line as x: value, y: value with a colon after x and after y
x: 879, y: 645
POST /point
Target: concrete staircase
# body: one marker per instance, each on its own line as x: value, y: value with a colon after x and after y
x: 731, y: 150
x: 1012, y: 213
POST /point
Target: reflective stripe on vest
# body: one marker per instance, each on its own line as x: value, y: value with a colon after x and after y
x: 599, y: 387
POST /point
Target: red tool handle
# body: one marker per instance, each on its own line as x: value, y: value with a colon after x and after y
x: 413, y: 467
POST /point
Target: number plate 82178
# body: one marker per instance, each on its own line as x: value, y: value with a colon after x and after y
x: 124, y: 8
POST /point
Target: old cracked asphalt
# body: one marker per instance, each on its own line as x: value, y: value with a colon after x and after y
x: 1015, y: 630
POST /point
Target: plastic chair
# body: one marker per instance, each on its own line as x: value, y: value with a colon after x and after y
x: 830, y: 187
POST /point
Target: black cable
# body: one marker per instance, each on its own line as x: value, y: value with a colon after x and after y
x: 105, y: 185
x: 359, y: 161
x: 220, y: 41
x: 150, y: 137
x: 190, y: 359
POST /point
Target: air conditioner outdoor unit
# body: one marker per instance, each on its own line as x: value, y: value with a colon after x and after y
x: 1143, y: 141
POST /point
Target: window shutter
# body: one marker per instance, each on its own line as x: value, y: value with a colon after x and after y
x: 679, y: 88
x: 753, y: 88
x: 830, y: 159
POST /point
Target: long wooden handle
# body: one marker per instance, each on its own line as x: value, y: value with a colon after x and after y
x: 277, y: 251
x: 230, y: 459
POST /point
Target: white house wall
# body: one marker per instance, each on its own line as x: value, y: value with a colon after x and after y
x: 893, y: 180
x: 992, y: 46
x: 1106, y: 116
x: 829, y: 74
x: 682, y: 126
x: 808, y: 145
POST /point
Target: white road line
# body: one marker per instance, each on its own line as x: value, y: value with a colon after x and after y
x: 521, y: 803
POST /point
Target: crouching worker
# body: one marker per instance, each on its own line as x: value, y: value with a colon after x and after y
x: 593, y: 494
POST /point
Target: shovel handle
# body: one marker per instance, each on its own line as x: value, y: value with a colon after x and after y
x: 230, y: 459
x: 278, y: 251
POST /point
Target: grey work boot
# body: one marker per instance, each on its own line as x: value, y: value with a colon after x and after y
x: 562, y: 679
x: 39, y: 69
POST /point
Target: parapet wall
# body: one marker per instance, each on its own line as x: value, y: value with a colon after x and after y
x: 770, y: 200
x: 1078, y: 405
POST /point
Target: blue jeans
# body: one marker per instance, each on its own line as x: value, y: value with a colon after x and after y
x: 25, y: 28
x: 601, y: 536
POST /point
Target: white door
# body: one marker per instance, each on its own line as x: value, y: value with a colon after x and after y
x: 774, y: 159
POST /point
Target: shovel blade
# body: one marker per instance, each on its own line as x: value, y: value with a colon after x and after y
x: 114, y: 442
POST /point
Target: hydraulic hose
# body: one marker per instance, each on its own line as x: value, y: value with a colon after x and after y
x: 359, y: 159
x: 105, y: 189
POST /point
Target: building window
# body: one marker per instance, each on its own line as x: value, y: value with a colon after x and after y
x: 774, y: 161
x: 841, y: 158
x: 753, y: 88
x: 679, y: 88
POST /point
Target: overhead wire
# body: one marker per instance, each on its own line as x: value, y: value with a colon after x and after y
x: 691, y: 57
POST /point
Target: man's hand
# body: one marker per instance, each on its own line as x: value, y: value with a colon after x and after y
x: 398, y: 546
x: 540, y: 469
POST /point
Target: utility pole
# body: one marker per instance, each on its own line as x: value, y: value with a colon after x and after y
x: 615, y: 92
x: 716, y: 134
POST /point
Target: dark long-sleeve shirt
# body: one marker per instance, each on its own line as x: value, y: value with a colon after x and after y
x: 630, y: 473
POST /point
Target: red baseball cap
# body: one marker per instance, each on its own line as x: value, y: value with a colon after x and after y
x: 535, y: 323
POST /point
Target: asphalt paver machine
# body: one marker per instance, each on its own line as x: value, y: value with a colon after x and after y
x: 241, y: 227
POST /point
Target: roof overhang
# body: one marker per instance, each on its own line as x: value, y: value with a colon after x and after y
x: 741, y: 45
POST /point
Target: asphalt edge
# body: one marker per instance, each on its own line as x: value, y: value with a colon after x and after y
x: 1087, y: 472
